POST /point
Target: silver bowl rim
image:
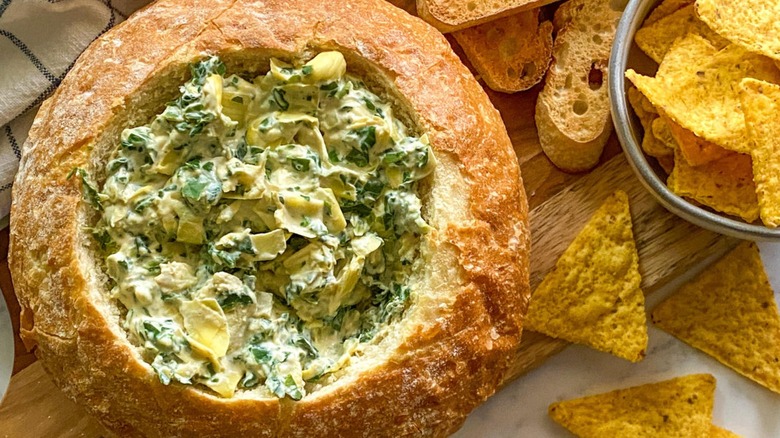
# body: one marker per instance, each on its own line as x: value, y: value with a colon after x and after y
x: 632, y: 18
x: 6, y: 348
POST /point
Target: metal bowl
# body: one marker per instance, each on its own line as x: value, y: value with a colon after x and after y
x: 625, y: 54
x: 6, y: 347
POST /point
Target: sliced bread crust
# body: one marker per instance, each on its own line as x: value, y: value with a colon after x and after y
x: 451, y: 15
x: 572, y: 112
x: 520, y: 54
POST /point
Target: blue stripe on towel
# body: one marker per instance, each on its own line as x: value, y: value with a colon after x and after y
x: 4, y: 6
x: 12, y: 140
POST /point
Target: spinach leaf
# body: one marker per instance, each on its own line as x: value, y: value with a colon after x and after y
x: 300, y: 164
x: 88, y: 191
x: 231, y: 300
x: 279, y: 100
x: 205, y: 185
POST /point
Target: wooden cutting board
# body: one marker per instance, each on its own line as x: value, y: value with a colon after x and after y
x: 560, y: 205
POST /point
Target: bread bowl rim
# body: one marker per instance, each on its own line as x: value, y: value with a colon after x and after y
x: 495, y: 286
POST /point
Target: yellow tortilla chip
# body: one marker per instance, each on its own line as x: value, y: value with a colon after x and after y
x: 761, y: 105
x: 644, y: 110
x: 683, y: 59
x: 725, y: 185
x: 695, y: 150
x: 719, y: 432
x: 654, y: 147
x: 662, y: 132
x: 641, y: 104
x: 753, y: 24
x: 592, y: 296
x: 680, y: 407
x: 656, y: 39
x: 664, y: 9
x: 729, y: 312
x: 667, y: 164
x: 647, y: 115
x: 698, y: 89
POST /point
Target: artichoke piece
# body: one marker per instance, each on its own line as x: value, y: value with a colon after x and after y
x: 206, y: 327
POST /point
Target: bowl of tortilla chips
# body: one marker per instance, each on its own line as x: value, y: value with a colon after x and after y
x: 695, y: 95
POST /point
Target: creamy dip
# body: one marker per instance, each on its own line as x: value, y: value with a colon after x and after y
x: 260, y: 233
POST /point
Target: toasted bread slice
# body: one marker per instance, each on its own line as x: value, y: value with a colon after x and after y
x: 452, y: 15
x: 520, y: 49
x: 572, y: 112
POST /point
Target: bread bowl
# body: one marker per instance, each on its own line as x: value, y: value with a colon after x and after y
x: 446, y: 349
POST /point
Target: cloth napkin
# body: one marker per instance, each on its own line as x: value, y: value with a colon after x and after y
x: 39, y: 42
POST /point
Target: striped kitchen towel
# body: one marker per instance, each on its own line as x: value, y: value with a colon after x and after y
x: 39, y: 42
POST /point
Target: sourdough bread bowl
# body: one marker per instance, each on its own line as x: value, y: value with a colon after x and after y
x: 450, y: 339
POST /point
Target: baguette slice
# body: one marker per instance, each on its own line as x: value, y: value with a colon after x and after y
x: 452, y: 15
x: 519, y: 50
x: 572, y: 112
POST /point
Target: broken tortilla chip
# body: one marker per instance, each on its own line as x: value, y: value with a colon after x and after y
x: 664, y: 9
x: 695, y: 150
x: 592, y: 296
x: 719, y: 432
x: 753, y: 24
x: 725, y: 185
x: 647, y: 115
x: 667, y: 164
x: 697, y: 89
x: 657, y: 38
x: 654, y: 147
x: 644, y: 110
x: 663, y: 133
x: 761, y: 105
x: 680, y: 407
x: 729, y: 312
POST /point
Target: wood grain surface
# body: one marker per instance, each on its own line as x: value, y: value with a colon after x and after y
x: 560, y: 205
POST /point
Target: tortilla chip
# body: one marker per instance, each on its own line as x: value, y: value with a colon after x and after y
x: 664, y: 9
x: 719, y: 432
x: 761, y: 104
x: 753, y: 24
x: 683, y: 59
x: 656, y: 39
x: 647, y: 115
x: 654, y: 147
x: 695, y: 150
x: 640, y: 103
x: 644, y: 110
x: 662, y: 132
x: 729, y: 312
x: 698, y: 89
x: 725, y: 185
x: 592, y: 296
x: 667, y: 164
x: 680, y: 407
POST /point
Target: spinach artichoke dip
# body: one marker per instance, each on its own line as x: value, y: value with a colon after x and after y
x: 260, y: 233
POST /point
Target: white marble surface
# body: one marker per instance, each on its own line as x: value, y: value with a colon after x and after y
x: 520, y: 410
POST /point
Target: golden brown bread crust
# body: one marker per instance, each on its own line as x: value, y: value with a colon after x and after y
x: 453, y: 15
x: 452, y: 348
